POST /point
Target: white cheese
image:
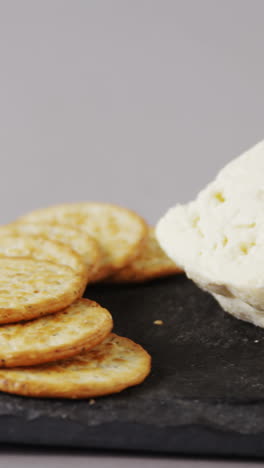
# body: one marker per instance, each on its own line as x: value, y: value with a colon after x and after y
x: 218, y: 239
x: 240, y: 309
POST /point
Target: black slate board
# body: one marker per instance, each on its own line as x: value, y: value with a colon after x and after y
x: 205, y: 394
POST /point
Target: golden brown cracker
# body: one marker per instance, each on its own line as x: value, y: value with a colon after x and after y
x: 41, y: 249
x: 82, y: 325
x: 120, y: 232
x: 31, y: 288
x: 110, y: 367
x: 152, y: 262
x: 83, y: 244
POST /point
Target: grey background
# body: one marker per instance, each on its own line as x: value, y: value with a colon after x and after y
x: 28, y: 459
x: 138, y: 102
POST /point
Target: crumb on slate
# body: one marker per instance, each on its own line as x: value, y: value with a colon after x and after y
x: 91, y: 401
x: 158, y: 322
x: 256, y: 341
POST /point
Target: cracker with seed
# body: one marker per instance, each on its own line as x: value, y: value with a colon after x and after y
x: 151, y: 263
x: 120, y: 232
x: 86, y: 246
x: 31, y: 288
x: 110, y: 367
x: 82, y: 325
x: 41, y: 249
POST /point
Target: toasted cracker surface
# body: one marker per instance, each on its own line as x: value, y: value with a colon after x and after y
x: 82, y: 325
x: 41, y: 249
x: 152, y: 262
x: 31, y: 288
x: 120, y: 232
x: 112, y: 366
x: 86, y: 246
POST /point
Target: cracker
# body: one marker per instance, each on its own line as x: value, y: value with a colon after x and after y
x: 30, y: 288
x: 41, y: 249
x: 151, y: 263
x: 110, y: 367
x: 82, y: 325
x: 120, y: 232
x: 86, y: 246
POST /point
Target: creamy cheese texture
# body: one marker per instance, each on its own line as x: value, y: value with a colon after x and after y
x: 218, y: 239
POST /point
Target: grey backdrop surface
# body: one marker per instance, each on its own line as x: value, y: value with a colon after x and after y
x: 138, y: 102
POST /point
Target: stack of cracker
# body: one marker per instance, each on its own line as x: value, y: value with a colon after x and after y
x: 53, y: 342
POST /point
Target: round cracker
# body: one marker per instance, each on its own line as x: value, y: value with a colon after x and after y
x: 31, y: 288
x: 82, y: 325
x: 41, y: 249
x: 120, y: 232
x: 151, y: 263
x: 83, y: 244
x: 112, y: 366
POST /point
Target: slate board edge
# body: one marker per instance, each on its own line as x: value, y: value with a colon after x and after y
x: 147, y: 418
x: 181, y: 440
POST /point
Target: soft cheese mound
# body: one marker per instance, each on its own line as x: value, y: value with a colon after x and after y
x: 218, y: 239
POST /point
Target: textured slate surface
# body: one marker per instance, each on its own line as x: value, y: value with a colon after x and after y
x: 205, y: 394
